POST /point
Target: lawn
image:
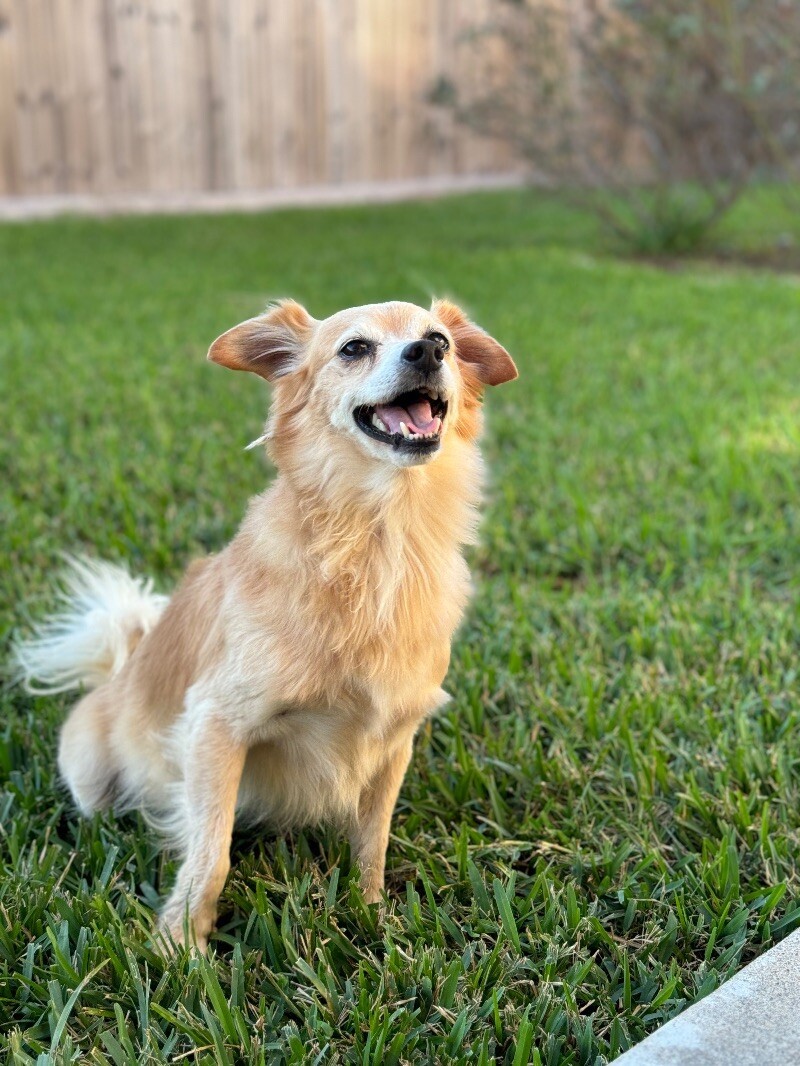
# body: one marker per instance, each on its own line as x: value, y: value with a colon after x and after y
x: 603, y: 825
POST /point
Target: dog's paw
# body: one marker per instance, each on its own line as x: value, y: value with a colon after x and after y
x: 173, y: 939
x: 372, y: 892
x: 176, y: 933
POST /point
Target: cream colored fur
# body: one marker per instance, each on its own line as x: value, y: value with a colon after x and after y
x: 105, y: 612
x: 287, y: 676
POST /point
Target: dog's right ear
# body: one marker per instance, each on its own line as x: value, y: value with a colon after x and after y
x: 489, y: 360
x: 271, y: 345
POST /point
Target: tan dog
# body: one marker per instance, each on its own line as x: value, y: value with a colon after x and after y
x: 286, y: 677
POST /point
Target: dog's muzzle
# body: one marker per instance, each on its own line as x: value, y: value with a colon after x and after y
x: 412, y: 419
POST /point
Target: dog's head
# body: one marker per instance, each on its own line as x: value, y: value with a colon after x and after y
x: 391, y: 380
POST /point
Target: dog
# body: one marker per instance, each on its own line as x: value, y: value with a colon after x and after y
x: 286, y: 677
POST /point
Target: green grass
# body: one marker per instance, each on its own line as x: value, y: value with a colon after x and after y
x: 603, y: 826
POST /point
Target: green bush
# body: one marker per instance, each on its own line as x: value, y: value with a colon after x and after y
x: 669, y: 107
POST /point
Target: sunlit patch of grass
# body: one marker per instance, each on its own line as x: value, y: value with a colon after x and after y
x: 603, y: 824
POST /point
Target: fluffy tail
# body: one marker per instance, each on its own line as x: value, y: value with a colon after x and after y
x: 105, y: 614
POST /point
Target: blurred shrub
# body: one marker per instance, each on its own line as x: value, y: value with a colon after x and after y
x: 663, y: 110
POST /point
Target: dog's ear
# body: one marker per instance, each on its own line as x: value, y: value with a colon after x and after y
x: 489, y: 360
x: 271, y: 345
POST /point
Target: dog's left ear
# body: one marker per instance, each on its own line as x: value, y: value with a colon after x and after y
x: 488, y: 359
x: 271, y: 345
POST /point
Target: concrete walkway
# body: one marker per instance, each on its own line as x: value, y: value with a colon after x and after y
x: 22, y: 208
x: 751, y: 1020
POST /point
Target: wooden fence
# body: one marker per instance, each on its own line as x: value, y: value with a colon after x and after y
x: 112, y: 96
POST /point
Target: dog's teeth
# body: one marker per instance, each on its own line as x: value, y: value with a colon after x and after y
x: 405, y: 430
x: 378, y: 423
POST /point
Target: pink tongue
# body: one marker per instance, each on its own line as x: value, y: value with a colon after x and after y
x: 417, y: 416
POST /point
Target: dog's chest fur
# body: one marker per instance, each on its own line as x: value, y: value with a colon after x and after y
x: 354, y: 666
x: 323, y: 636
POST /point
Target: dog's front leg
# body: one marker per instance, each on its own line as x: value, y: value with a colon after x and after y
x: 212, y: 771
x: 369, y: 836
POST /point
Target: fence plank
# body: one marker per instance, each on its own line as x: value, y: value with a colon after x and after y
x: 112, y: 96
x: 10, y: 177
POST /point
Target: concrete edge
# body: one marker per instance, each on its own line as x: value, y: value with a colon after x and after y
x: 26, y: 208
x: 751, y: 1020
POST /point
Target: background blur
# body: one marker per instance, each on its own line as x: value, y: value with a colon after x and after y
x: 109, y: 96
x: 677, y: 104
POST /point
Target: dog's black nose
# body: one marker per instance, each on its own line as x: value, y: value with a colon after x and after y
x: 425, y: 355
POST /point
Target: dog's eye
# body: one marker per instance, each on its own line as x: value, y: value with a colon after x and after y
x: 439, y: 340
x: 357, y: 349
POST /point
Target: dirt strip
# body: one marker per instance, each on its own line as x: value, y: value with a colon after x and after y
x: 23, y: 208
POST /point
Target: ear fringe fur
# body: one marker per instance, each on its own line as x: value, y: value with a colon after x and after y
x: 270, y: 345
x: 488, y: 359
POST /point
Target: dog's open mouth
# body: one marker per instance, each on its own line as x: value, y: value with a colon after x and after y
x: 411, y: 420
